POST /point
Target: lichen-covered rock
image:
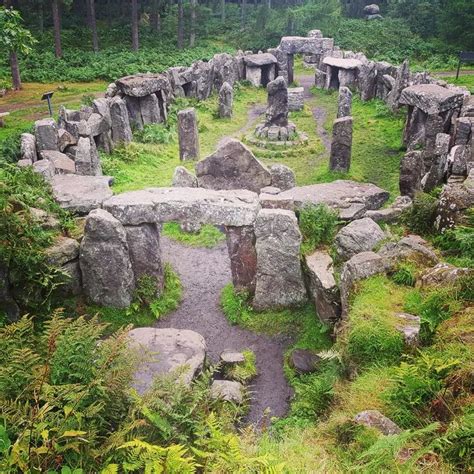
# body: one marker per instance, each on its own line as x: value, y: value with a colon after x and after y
x: 279, y: 275
x: 361, y: 235
x: 182, y: 178
x: 344, y: 105
x: 28, y: 147
x: 108, y: 278
x: 86, y: 157
x: 226, y: 99
x: 188, y: 135
x: 61, y: 162
x: 341, y: 146
x: 375, y: 419
x: 277, y: 108
x: 120, y: 123
x: 411, y: 247
x: 63, y: 250
x: 411, y: 173
x: 442, y: 274
x: 228, y: 390
x: 282, y: 177
x: 304, y: 361
x: 46, y: 133
x: 391, y: 213
x: 409, y: 326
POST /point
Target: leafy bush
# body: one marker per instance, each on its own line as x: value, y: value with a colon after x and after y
x: 318, y: 226
x: 155, y: 133
x: 420, y: 217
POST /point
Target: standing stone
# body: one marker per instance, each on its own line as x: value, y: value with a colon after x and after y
x: 457, y: 158
x: 243, y: 257
x: 145, y: 253
x: 344, y: 106
x: 226, y: 99
x: 279, y: 281
x: 296, y: 99
x: 150, y: 109
x: 438, y: 166
x: 341, y: 147
x: 282, y: 177
x: 121, y: 131
x: 61, y: 162
x: 86, y: 157
x: 323, y: 288
x: 46, y: 133
x: 277, y: 108
x: 367, y: 80
x: 182, y: 178
x: 411, y: 173
x: 462, y: 130
x: 402, y: 80
x: 28, y: 147
x: 106, y: 267
x: 188, y: 135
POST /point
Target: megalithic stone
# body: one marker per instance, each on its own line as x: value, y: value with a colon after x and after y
x: 188, y: 135
x: 344, y: 106
x: 226, y: 99
x: 341, y: 147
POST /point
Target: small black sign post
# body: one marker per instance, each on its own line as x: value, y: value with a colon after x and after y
x: 47, y: 96
x: 466, y: 57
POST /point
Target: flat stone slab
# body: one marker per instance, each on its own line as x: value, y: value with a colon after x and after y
x: 431, y: 98
x: 140, y: 85
x: 164, y: 351
x: 342, y: 63
x: 258, y: 60
x: 197, y: 205
x: 81, y: 194
x: 350, y: 198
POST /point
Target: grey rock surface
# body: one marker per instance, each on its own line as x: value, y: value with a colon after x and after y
x: 28, y: 147
x: 141, y: 85
x: 411, y: 173
x: 61, y: 162
x: 341, y: 146
x: 227, y: 390
x: 182, y: 178
x: 304, y: 361
x: 120, y: 123
x: 188, y: 135
x: 375, y: 419
x: 277, y: 107
x: 344, y: 105
x: 282, y: 177
x: 431, y: 98
x: 63, y: 250
x: 46, y: 133
x: 226, y: 100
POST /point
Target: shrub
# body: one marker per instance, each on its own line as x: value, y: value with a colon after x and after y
x: 420, y: 217
x: 155, y: 133
x: 318, y: 226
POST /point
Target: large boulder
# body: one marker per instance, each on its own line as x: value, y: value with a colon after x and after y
x: 443, y: 274
x: 63, y: 250
x: 120, y: 122
x: 182, y: 178
x: 431, y: 98
x: 279, y: 278
x: 46, y: 133
x: 232, y: 166
x: 411, y: 247
x: 106, y: 267
x: 180, y: 352
x: 322, y: 286
x: 360, y: 235
x: 283, y: 177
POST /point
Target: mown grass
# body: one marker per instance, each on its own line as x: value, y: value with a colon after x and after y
x: 465, y: 80
x: 208, y: 236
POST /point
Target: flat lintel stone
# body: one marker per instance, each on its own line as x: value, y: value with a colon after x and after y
x: 342, y: 63
x: 431, y: 98
x: 140, y: 85
x: 197, y: 205
x: 258, y: 60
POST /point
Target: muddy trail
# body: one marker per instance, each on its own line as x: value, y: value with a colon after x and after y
x: 203, y: 273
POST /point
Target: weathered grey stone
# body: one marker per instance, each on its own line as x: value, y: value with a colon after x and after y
x: 134, y: 112
x: 300, y: 44
x: 97, y: 124
x: 344, y: 108
x: 270, y: 190
x: 232, y: 358
x: 320, y: 78
x: 65, y: 139
x: 341, y: 146
x: 282, y: 177
x: 226, y: 69
x: 63, y: 250
x: 141, y: 85
x: 243, y: 257
x: 462, y: 130
x: 391, y: 213
x: 410, y: 247
x: 182, y: 178
x: 106, y: 268
x: 304, y: 361
x: 81, y: 194
x: 442, y: 274
x: 367, y: 80
x: 28, y: 147
x: 86, y: 158
x: 44, y: 219
x: 322, y: 286
x: 457, y: 159
x: 295, y: 98
x: 45, y: 168
x: 438, y: 166
x: 120, y: 124
x: 411, y: 173
x: 275, y: 201
x: 279, y: 276
x: 226, y: 99
x: 145, y: 253
x: 401, y: 82
x: 101, y: 106
x: 205, y: 206
x: 61, y: 162
x: 24, y: 163
x: 360, y: 266
x: 375, y: 419
x: 150, y: 109
x: 188, y: 135
x: 360, y: 235
x: 259, y: 60
x: 372, y: 9
x: 351, y: 199
x: 409, y: 326
x: 342, y: 63
x: 46, y: 133
x: 227, y: 390
x: 277, y: 107
x: 180, y: 352
x: 232, y: 166
x: 431, y: 98
x: 72, y: 285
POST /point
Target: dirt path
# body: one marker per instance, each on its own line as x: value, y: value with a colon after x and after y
x: 203, y: 273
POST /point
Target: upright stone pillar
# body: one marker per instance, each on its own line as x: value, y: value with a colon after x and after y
x: 341, y: 147
x: 120, y: 123
x: 279, y: 281
x: 411, y: 173
x: 344, y: 106
x: 243, y: 257
x: 277, y: 108
x: 226, y: 99
x: 107, y: 274
x: 188, y: 135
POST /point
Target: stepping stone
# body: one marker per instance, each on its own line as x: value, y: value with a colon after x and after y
x: 304, y: 361
x: 227, y: 390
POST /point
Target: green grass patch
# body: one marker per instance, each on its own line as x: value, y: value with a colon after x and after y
x: 464, y: 80
x: 208, y: 236
x: 244, y: 371
x: 143, y: 311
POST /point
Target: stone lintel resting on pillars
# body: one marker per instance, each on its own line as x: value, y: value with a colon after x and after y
x: 341, y: 147
x: 188, y: 136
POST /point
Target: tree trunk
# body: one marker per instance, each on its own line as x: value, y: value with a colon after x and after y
x: 222, y: 11
x: 180, y: 24
x: 95, y: 37
x: 40, y: 17
x: 57, y: 28
x: 269, y: 4
x: 243, y: 6
x: 16, y: 80
x: 135, y: 25
x: 155, y: 17
x: 192, y: 36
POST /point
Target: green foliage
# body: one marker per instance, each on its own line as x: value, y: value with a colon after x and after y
x: 155, y: 133
x: 208, y: 236
x: 13, y: 36
x: 420, y: 217
x: 318, y: 226
x: 405, y: 274
x: 244, y: 371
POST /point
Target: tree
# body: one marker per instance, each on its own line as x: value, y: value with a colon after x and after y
x: 180, y: 24
x: 135, y: 25
x: 222, y: 11
x: 14, y: 39
x: 93, y: 24
x: 192, y: 36
x: 57, y: 28
x: 155, y: 17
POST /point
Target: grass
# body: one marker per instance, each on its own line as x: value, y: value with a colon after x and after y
x: 142, y: 315
x: 466, y: 80
x: 209, y: 236
x: 245, y: 371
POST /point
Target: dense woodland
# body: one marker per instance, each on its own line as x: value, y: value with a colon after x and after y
x: 67, y: 402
